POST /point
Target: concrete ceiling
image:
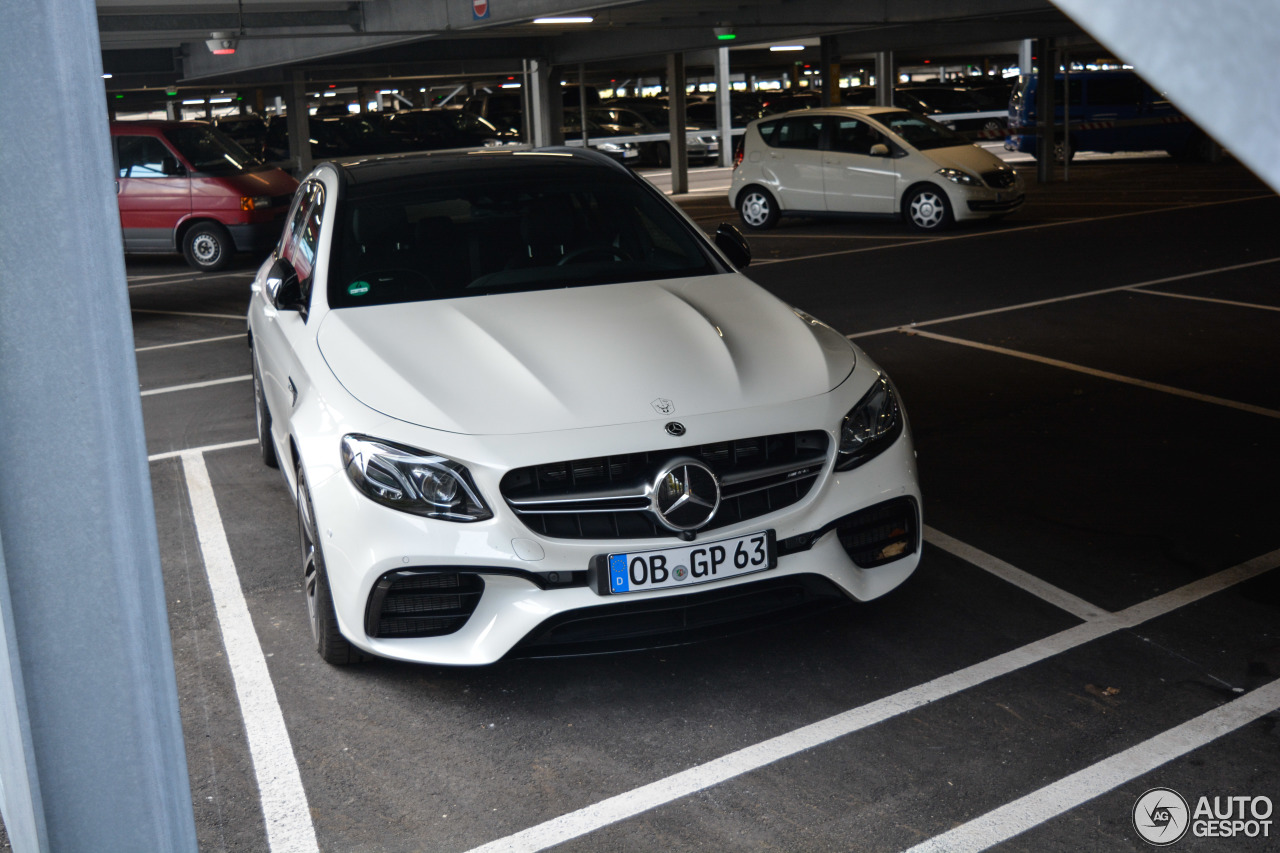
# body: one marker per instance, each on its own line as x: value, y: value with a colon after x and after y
x: 162, y: 43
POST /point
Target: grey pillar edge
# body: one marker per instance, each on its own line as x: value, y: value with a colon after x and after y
x: 91, y: 689
x: 676, y: 123
x: 724, y: 107
x: 1046, y: 110
x: 298, y: 121
x: 885, y: 81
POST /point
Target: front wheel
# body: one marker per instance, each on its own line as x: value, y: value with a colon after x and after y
x: 757, y: 208
x: 330, y: 644
x: 208, y: 247
x: 262, y: 419
x: 927, y: 209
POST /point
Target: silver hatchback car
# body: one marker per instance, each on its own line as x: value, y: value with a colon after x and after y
x: 885, y: 161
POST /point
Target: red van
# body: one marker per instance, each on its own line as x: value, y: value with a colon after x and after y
x: 184, y: 186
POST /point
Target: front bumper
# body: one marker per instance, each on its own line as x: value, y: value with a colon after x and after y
x: 534, y: 595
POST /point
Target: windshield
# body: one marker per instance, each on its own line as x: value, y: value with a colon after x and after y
x: 210, y: 151
x: 451, y: 237
x: 920, y: 132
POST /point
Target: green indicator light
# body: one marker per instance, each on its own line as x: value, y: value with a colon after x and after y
x: 120, y: 97
x: 727, y: 37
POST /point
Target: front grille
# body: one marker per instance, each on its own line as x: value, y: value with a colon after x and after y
x: 1000, y: 179
x: 605, y: 497
x: 421, y: 603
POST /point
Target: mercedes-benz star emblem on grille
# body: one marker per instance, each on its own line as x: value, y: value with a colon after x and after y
x: 685, y: 496
x: 663, y: 406
x: 675, y: 428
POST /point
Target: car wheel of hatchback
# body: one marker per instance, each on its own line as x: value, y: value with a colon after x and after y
x: 332, y: 646
x: 758, y: 209
x: 208, y: 247
x: 926, y: 209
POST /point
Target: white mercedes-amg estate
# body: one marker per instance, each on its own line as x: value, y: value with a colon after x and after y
x: 525, y: 407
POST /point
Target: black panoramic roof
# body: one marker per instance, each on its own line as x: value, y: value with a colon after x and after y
x: 373, y: 174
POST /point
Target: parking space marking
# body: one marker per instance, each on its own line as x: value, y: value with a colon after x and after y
x: 191, y: 343
x: 1052, y: 800
x: 1056, y: 299
x: 193, y: 385
x: 284, y: 801
x: 178, y: 278
x: 188, y: 314
x: 174, y: 454
x: 686, y: 783
x: 1035, y: 227
x: 1025, y: 581
x: 1101, y: 374
x: 1254, y: 305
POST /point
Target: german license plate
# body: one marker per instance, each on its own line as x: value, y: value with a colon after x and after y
x: 689, y: 565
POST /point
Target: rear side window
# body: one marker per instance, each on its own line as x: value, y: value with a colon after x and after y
x: 797, y: 132
x: 144, y: 157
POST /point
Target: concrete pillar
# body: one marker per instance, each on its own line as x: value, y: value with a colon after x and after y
x: 299, y: 125
x: 830, y: 72
x: 677, y: 120
x: 91, y: 747
x: 886, y: 78
x: 724, y: 106
x: 1045, y: 109
x: 538, y: 86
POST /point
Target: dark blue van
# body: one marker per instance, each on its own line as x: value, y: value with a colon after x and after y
x: 1109, y: 111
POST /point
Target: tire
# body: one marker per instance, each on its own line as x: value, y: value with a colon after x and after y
x: 262, y: 418
x: 208, y: 247
x: 757, y: 208
x: 332, y: 647
x: 662, y: 153
x: 1060, y: 151
x: 926, y: 208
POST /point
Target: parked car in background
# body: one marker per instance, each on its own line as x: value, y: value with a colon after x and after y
x: 958, y: 107
x: 1119, y: 111
x: 445, y: 369
x: 840, y: 161
x: 609, y: 142
x: 187, y: 187
x: 435, y: 129
x: 248, y: 130
x: 700, y: 147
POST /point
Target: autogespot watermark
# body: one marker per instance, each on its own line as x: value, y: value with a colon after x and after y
x: 1162, y: 817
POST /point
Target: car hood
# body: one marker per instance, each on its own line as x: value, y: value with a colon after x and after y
x: 263, y: 181
x: 969, y: 158
x: 582, y: 357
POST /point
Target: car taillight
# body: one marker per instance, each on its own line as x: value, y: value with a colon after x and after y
x: 738, y: 154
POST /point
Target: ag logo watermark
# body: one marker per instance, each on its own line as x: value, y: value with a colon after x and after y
x: 1162, y: 817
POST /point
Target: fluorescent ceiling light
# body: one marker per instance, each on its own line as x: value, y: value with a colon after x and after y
x: 584, y: 19
x: 782, y: 47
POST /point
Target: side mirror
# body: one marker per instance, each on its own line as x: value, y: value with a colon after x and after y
x: 879, y: 150
x: 283, y: 288
x: 730, y: 241
x: 172, y: 168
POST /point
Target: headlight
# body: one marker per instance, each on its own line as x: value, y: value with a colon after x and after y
x: 410, y: 480
x: 609, y: 146
x: 957, y: 176
x: 870, y: 426
x: 254, y: 202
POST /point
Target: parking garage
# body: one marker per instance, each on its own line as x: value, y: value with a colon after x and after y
x: 1090, y: 387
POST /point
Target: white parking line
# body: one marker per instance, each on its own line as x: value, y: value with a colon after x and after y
x: 1253, y: 305
x: 174, y: 454
x: 1052, y: 800
x: 969, y: 235
x: 606, y: 812
x: 1136, y: 288
x: 284, y: 801
x: 191, y: 343
x: 189, y: 314
x: 1025, y: 581
x: 1101, y: 374
x: 194, y: 385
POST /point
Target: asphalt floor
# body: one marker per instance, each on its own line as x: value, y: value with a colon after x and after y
x: 1095, y: 397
